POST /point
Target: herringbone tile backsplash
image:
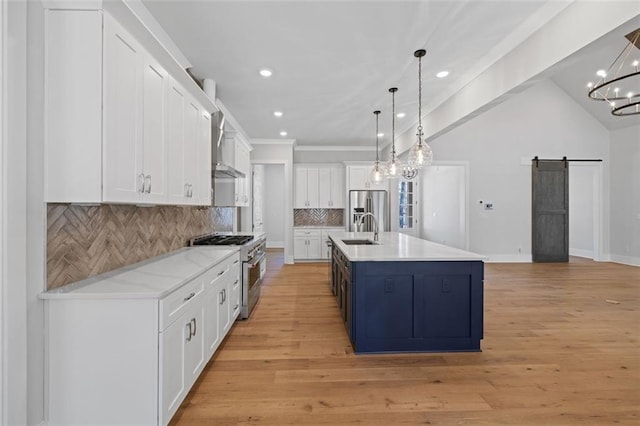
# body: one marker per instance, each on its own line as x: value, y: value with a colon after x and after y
x: 85, y: 241
x: 318, y: 217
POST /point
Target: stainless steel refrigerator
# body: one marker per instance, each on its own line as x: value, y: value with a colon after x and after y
x: 376, y: 202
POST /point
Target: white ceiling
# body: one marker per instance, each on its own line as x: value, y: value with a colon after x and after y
x: 333, y: 61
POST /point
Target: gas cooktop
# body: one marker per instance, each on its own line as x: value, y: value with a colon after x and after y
x: 221, y: 240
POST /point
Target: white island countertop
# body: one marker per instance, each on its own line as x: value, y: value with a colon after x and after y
x: 396, y: 246
x: 150, y: 279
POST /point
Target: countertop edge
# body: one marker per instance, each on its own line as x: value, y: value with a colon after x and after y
x: 67, y: 291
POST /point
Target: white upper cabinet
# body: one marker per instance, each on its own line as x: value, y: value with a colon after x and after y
x: 306, y: 188
x: 319, y: 187
x: 331, y: 190
x: 118, y: 127
x: 176, y: 182
x: 359, y: 177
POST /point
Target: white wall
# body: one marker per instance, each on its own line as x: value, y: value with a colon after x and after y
x: 581, y: 209
x: 444, y: 205
x: 13, y: 204
x: 274, y: 202
x: 625, y: 195
x: 541, y: 120
x: 269, y: 151
x: 301, y: 155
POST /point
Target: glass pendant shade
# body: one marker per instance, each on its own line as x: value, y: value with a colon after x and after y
x: 420, y: 155
x: 377, y: 173
x: 393, y: 168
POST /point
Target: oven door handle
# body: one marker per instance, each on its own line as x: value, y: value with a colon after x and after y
x: 256, y: 262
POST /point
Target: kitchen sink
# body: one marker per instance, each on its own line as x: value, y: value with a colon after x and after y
x: 360, y: 242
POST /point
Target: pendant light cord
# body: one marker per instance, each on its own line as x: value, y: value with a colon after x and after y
x: 377, y: 157
x: 420, y: 100
x: 393, y: 124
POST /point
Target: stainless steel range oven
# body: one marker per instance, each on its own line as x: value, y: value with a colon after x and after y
x: 252, y: 255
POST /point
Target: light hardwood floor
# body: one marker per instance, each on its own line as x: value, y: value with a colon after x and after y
x: 554, y: 352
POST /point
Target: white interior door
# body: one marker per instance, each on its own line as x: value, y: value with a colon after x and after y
x: 584, y: 213
x: 258, y: 198
x: 443, y: 205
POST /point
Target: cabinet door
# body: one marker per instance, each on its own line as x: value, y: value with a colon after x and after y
x: 324, y: 187
x: 155, y: 82
x: 204, y: 159
x: 314, y: 248
x: 122, y: 116
x: 173, y: 342
x: 176, y: 192
x: 312, y: 187
x: 224, y: 322
x: 337, y: 188
x: 359, y: 177
x: 235, y: 301
x: 300, y: 247
x: 300, y: 200
x: 211, y: 328
x: 191, y: 120
x: 194, y: 346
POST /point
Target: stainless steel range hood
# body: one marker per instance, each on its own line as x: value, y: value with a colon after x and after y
x: 220, y: 166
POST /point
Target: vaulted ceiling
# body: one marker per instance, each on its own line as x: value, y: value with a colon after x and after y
x: 333, y: 61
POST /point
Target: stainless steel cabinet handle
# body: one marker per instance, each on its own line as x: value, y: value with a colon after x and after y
x: 235, y: 261
x: 186, y: 190
x: 190, y: 190
x: 189, y: 334
x: 236, y: 307
x: 221, y: 297
x: 195, y: 326
x: 236, y: 282
x: 141, y: 182
x: 189, y: 297
x: 224, y: 291
x: 222, y: 272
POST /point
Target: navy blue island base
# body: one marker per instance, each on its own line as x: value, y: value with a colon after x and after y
x: 410, y: 306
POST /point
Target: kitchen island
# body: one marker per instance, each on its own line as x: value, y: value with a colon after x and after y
x: 405, y: 294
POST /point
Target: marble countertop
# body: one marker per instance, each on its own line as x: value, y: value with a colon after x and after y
x: 150, y: 279
x: 396, y: 246
x: 317, y: 227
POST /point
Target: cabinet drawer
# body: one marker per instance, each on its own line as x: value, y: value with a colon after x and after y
x: 306, y: 233
x: 172, y: 306
x: 226, y: 269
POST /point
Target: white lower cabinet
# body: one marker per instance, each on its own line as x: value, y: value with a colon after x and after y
x: 306, y: 244
x: 120, y: 357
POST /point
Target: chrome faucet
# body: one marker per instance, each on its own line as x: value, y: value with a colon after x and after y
x: 375, y: 221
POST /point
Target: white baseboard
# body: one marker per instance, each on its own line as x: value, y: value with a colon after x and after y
x: 289, y: 260
x: 275, y: 244
x: 625, y: 260
x: 581, y: 253
x: 509, y: 258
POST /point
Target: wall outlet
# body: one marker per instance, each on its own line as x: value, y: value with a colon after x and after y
x: 488, y: 206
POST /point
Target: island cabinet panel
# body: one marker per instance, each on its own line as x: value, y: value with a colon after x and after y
x: 417, y: 306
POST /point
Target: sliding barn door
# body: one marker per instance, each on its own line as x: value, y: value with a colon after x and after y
x: 550, y: 211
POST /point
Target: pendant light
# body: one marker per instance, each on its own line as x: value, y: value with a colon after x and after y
x: 420, y: 154
x: 377, y: 172
x: 393, y: 168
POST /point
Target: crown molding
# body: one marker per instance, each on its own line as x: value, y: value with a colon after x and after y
x: 291, y: 142
x: 334, y: 148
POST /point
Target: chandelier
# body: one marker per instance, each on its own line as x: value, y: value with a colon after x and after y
x: 619, y: 85
x: 377, y: 172
x: 420, y: 154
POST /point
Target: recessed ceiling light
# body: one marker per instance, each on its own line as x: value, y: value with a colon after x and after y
x: 277, y: 113
x: 266, y: 72
x: 283, y: 133
x: 380, y: 134
x: 442, y: 74
x: 401, y: 115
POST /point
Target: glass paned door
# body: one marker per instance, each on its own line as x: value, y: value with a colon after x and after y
x: 406, y: 205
